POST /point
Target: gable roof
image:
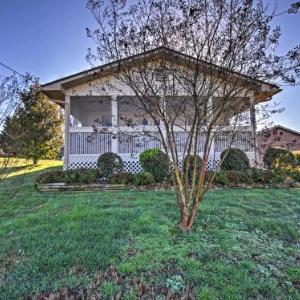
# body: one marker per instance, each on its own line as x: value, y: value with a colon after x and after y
x: 280, y: 127
x: 54, y: 89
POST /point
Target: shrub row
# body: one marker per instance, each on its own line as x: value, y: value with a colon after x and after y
x: 84, y: 176
x: 235, y: 169
x: 139, y: 179
x: 224, y: 178
x: 88, y: 176
x: 250, y: 176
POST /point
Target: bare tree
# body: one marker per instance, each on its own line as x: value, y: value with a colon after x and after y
x: 201, y: 62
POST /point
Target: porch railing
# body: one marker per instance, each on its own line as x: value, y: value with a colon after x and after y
x: 84, y: 142
x: 89, y: 143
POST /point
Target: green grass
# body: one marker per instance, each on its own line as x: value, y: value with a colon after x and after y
x: 245, y: 243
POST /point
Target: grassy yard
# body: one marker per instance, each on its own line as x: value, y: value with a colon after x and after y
x: 245, y: 243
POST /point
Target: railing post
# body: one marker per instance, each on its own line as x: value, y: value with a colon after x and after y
x: 67, y: 131
x: 114, y: 124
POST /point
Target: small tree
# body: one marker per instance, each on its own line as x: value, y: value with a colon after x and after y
x: 176, y: 89
x: 10, y: 88
x: 34, y: 131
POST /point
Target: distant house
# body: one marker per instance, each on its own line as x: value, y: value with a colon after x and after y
x: 278, y: 137
x: 85, y: 100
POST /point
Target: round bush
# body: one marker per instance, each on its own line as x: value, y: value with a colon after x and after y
x: 235, y: 159
x: 145, y: 178
x: 121, y: 178
x: 155, y: 162
x: 221, y: 178
x: 279, y: 158
x: 189, y: 162
x: 109, y: 163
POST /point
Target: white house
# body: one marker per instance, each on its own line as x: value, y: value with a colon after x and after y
x: 86, y: 101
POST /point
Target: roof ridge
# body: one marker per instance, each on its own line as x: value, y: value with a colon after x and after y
x: 149, y: 52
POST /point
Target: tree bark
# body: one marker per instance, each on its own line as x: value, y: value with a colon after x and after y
x: 183, y: 218
x: 183, y: 212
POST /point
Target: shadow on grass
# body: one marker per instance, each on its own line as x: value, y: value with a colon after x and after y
x: 21, y: 178
x: 18, y: 168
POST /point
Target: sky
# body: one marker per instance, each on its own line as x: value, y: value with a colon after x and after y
x: 47, y: 38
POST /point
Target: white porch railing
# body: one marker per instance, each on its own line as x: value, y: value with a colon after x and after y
x: 86, y: 147
x: 84, y: 142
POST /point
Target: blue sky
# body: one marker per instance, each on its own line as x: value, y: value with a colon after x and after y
x: 48, y: 39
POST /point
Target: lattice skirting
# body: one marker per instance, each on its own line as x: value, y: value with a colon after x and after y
x: 131, y: 162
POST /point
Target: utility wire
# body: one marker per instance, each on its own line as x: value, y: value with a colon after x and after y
x: 11, y: 69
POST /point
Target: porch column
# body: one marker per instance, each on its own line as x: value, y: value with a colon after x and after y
x: 67, y: 131
x: 210, y: 112
x: 254, y: 126
x: 114, y: 124
x: 163, y: 105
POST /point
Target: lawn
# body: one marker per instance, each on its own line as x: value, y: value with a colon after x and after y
x: 245, y: 243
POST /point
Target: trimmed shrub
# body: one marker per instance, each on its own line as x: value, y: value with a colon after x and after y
x: 155, y: 162
x: 84, y: 176
x: 280, y: 175
x: 294, y: 174
x: 109, y: 163
x: 189, y: 162
x: 221, y: 178
x: 244, y: 177
x: 235, y: 159
x: 53, y: 176
x: 121, y: 178
x: 278, y: 158
x: 236, y: 177
x: 232, y: 177
x: 267, y: 176
x: 144, y: 178
x: 255, y: 174
x: 297, y: 157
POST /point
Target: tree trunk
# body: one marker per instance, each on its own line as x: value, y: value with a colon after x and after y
x: 35, y: 160
x: 183, y: 212
x: 183, y: 219
x: 192, y: 215
x: 191, y: 218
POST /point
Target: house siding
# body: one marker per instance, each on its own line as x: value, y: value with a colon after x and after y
x: 277, y: 138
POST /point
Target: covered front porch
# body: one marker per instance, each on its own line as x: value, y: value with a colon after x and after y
x: 99, y: 124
